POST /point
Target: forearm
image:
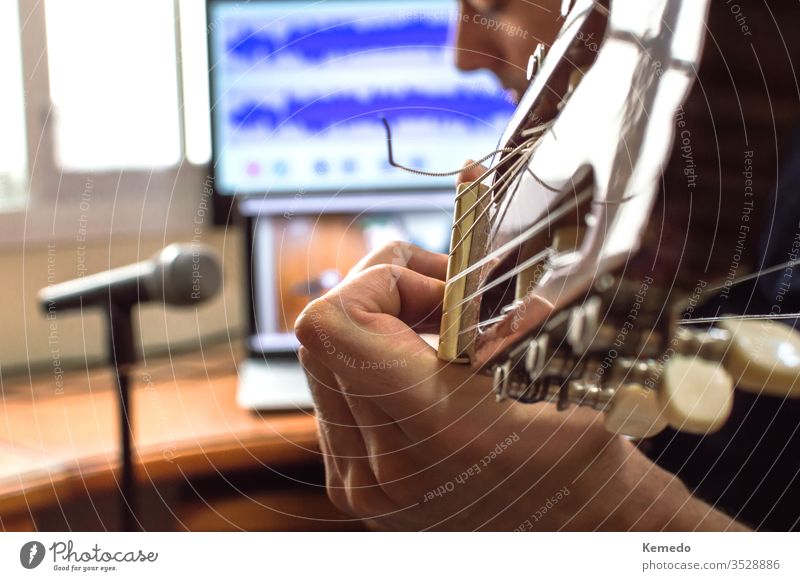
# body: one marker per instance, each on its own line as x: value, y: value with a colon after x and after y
x: 634, y: 494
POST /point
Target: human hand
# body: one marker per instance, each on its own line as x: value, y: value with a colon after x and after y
x: 411, y: 442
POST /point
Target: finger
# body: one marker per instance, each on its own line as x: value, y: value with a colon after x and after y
x: 334, y: 469
x: 344, y: 441
x: 350, y: 466
x: 407, y: 255
x: 383, y: 437
x: 471, y: 174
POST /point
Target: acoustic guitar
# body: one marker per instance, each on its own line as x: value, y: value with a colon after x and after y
x: 626, y: 193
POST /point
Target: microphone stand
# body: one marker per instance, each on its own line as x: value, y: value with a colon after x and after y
x: 122, y: 355
x: 169, y: 277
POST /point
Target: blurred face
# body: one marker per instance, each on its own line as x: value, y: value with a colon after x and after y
x: 501, y: 35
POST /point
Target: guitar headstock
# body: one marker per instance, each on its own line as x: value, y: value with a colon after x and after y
x: 556, y: 284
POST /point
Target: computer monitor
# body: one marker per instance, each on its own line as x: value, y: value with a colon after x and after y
x: 299, y: 88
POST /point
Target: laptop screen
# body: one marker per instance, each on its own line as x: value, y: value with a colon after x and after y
x: 296, y: 257
x: 299, y: 89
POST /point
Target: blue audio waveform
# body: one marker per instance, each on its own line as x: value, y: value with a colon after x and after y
x: 314, y: 117
x: 317, y: 42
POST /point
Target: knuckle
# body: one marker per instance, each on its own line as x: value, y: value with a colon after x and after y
x: 335, y: 489
x: 394, y: 475
x: 363, y: 503
x: 391, y: 247
x: 391, y: 253
x: 363, y: 495
x: 387, y: 470
x: 382, y: 273
x: 338, y: 497
x: 314, y: 317
x: 383, y: 270
x: 304, y: 356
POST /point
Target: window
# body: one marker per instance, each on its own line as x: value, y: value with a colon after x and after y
x: 13, y: 148
x: 196, y: 98
x: 113, y: 83
x: 117, y: 97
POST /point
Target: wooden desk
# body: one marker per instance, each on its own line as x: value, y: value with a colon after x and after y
x: 59, y: 443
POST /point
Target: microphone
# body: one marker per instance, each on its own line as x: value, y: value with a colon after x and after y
x: 180, y: 275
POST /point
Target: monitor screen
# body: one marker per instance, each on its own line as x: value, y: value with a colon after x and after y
x: 299, y: 89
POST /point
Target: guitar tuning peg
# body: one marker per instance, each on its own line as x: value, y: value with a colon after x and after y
x: 696, y: 394
x: 763, y: 357
x: 635, y: 411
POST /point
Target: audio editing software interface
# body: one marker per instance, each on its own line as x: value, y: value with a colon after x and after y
x: 299, y: 89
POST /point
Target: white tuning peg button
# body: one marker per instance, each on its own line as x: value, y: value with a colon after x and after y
x: 635, y: 411
x: 763, y: 357
x: 696, y: 394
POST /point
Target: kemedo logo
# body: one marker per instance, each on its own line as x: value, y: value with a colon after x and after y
x: 31, y: 554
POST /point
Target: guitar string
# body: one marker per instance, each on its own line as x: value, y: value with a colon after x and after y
x: 541, y: 256
x: 534, y: 135
x: 557, y: 214
x: 488, y: 192
x: 419, y: 172
x: 508, y: 197
x: 557, y: 318
x: 503, y: 180
x: 706, y: 320
x: 754, y: 275
x: 491, y: 189
x: 533, y: 230
x: 541, y: 182
x: 544, y: 254
x: 697, y: 321
x: 480, y: 324
x: 762, y: 317
x: 500, y: 217
x: 521, y: 165
x: 531, y: 135
x: 537, y: 132
x: 740, y: 280
x: 490, y: 170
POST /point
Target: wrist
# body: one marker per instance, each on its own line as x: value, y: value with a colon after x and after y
x: 631, y: 493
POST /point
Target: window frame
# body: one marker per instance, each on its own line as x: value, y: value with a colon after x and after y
x: 93, y: 205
